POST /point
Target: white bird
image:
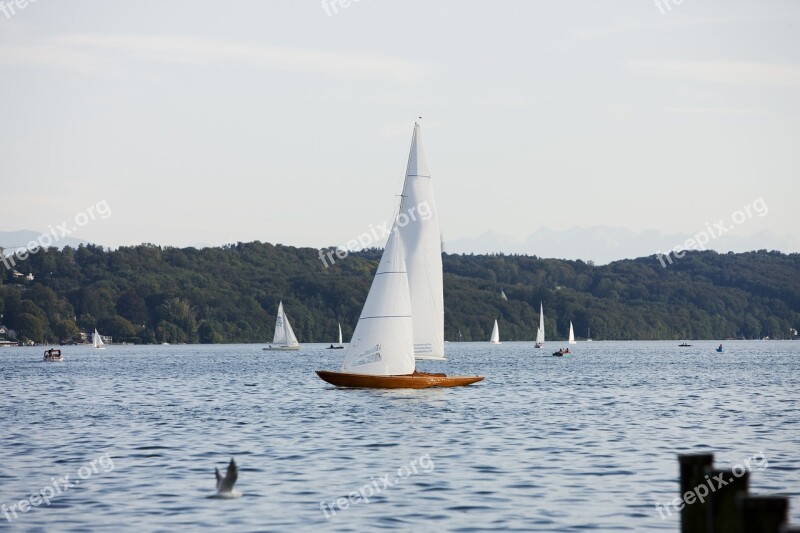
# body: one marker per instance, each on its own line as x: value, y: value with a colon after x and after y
x: 225, y: 484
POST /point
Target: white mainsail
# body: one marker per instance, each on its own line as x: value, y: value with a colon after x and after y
x: 284, y: 334
x: 571, y: 334
x: 495, y: 334
x: 383, y: 341
x: 340, y: 334
x: 540, y: 331
x: 97, y: 341
x: 418, y: 226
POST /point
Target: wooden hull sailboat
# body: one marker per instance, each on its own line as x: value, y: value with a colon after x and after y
x: 417, y: 380
x: 402, y: 319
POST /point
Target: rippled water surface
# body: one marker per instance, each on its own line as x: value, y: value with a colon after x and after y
x: 544, y: 443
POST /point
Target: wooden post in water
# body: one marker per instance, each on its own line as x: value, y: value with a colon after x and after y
x: 722, y: 509
x: 693, y: 471
x: 763, y: 514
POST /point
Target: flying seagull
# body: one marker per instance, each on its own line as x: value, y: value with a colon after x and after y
x: 225, y: 484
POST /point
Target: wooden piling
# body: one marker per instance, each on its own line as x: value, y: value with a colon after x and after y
x: 763, y: 514
x: 693, y: 471
x: 722, y: 510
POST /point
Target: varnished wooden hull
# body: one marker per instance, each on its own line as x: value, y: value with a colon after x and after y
x: 417, y: 380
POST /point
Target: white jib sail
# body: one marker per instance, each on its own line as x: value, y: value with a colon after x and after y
x: 571, y: 334
x: 419, y: 230
x: 383, y: 341
x: 495, y: 334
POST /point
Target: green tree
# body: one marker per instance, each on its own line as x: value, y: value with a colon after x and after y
x: 30, y: 327
x: 117, y: 327
x: 66, y: 330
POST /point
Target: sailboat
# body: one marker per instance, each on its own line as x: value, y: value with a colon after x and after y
x: 540, y: 331
x: 386, y: 343
x: 339, y: 346
x: 284, y: 339
x: 588, y: 335
x: 97, y: 341
x: 495, y: 334
x: 571, y: 334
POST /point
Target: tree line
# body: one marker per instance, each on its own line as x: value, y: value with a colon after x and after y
x: 154, y: 294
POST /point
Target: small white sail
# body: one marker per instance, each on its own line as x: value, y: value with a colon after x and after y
x: 418, y: 225
x: 383, y: 341
x: 571, y: 334
x: 284, y: 334
x: 540, y: 331
x: 503, y: 295
x: 97, y: 341
x: 340, y: 334
x: 495, y: 334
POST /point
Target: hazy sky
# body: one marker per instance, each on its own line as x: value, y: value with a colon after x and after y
x: 212, y: 122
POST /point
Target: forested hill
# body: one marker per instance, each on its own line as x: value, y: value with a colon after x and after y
x: 230, y: 294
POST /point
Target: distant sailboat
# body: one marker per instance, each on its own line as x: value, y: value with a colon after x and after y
x: 385, y: 343
x: 571, y: 334
x: 503, y: 295
x: 495, y: 334
x: 540, y: 331
x: 588, y: 335
x: 97, y: 341
x: 284, y: 338
x: 339, y: 346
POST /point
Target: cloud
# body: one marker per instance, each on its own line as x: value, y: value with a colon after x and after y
x: 726, y: 72
x: 95, y: 52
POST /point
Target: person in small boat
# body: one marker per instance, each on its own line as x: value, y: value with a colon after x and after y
x: 331, y: 346
x: 720, y: 348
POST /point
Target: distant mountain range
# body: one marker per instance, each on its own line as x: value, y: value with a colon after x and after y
x: 14, y: 240
x: 603, y: 244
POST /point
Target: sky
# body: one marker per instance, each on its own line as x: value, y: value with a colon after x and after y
x: 195, y: 122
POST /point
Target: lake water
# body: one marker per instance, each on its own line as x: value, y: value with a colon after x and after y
x: 543, y: 444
